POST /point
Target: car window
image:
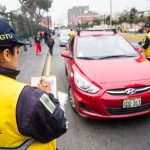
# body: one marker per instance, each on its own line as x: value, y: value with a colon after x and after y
x: 64, y: 33
x: 102, y: 46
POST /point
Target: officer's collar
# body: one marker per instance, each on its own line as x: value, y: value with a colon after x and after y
x: 9, y: 72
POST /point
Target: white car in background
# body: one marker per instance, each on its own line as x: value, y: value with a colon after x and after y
x: 64, y: 37
x: 133, y: 29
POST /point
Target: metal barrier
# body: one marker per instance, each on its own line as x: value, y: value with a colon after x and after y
x: 24, y: 27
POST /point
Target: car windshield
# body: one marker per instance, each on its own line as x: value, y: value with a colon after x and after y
x: 64, y: 33
x: 99, y: 47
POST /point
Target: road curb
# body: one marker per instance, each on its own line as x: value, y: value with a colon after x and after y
x: 47, y: 66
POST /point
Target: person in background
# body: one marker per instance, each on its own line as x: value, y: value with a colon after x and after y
x: 146, y: 41
x: 38, y: 41
x: 41, y: 35
x: 71, y: 33
x: 50, y: 44
x: 45, y: 36
x: 31, y: 118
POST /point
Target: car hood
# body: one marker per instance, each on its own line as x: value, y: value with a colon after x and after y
x: 115, y: 70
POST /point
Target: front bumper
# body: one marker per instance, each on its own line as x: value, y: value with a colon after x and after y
x: 105, y: 106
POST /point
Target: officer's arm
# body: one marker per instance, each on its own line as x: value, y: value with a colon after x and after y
x: 145, y: 43
x: 52, y: 123
x: 39, y: 115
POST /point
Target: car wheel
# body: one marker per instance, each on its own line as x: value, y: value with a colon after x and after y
x: 66, y: 72
x: 71, y: 98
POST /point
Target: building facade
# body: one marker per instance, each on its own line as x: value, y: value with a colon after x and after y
x: 76, y: 11
x: 86, y: 17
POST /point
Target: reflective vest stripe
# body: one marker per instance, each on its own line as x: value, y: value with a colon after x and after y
x: 24, y: 146
x: 147, y: 50
x: 47, y: 102
x: 143, y: 42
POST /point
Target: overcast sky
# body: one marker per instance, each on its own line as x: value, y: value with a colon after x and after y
x: 60, y: 7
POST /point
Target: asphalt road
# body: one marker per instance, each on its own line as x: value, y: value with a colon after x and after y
x: 83, y: 134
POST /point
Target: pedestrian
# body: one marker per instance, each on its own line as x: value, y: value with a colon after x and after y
x: 41, y: 36
x: 71, y: 33
x: 30, y: 117
x: 45, y: 36
x: 146, y: 41
x: 38, y: 41
x: 50, y: 44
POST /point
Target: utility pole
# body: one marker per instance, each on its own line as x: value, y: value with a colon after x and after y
x: 47, y: 20
x: 110, y: 12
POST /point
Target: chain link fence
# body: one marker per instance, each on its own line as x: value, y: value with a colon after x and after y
x: 24, y: 27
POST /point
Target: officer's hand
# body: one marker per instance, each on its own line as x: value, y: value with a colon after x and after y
x: 140, y: 42
x: 44, y: 84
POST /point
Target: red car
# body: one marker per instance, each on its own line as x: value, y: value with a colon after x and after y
x: 109, y: 78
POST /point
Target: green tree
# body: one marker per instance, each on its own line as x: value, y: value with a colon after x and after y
x: 42, y: 6
x: 35, y: 8
x: 133, y: 14
x: 2, y: 8
x: 96, y: 21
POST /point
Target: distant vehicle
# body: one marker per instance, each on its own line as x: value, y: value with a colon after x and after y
x: 108, y: 77
x: 133, y: 29
x: 64, y: 37
x: 58, y: 32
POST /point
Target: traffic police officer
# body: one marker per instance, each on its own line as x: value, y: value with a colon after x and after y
x: 30, y: 117
x: 146, y: 41
x: 71, y: 33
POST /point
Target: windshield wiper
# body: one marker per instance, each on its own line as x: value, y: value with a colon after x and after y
x: 87, y: 58
x: 114, y: 56
x: 105, y: 57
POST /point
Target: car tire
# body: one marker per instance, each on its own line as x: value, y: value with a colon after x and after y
x: 66, y: 72
x: 71, y: 99
x: 72, y: 102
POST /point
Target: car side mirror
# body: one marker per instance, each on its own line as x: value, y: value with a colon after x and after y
x: 139, y: 49
x: 66, y: 54
x: 67, y: 47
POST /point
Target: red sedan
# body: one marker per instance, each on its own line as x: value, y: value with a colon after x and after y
x: 108, y: 77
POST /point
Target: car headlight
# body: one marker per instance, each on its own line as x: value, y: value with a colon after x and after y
x: 84, y: 85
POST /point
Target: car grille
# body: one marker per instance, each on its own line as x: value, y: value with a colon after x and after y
x: 123, y: 111
x: 128, y: 91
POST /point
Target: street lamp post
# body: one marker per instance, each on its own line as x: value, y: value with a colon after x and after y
x: 47, y: 20
x: 110, y: 12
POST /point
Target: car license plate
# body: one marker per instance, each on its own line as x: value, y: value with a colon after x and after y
x: 132, y: 102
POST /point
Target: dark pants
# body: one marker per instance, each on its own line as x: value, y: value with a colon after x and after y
x: 45, y: 40
x: 51, y: 50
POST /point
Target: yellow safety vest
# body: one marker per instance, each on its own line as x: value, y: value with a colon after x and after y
x: 9, y: 135
x: 147, y: 51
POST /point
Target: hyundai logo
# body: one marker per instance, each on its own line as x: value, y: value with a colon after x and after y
x: 130, y: 91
